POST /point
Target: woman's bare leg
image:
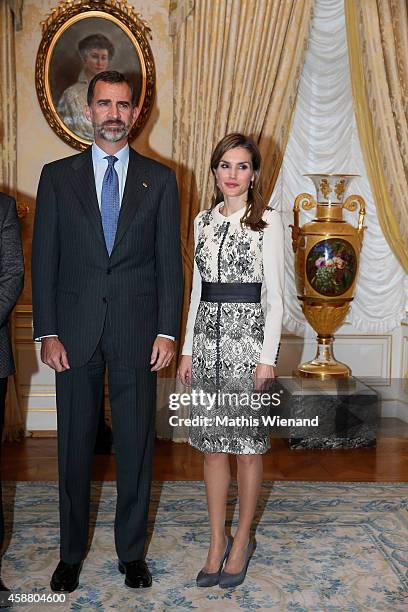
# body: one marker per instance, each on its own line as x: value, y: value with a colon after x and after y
x: 249, y: 478
x: 217, y: 477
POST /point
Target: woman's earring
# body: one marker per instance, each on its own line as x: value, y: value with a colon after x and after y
x: 252, y: 183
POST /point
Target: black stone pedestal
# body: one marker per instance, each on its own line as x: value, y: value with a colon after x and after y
x: 333, y: 414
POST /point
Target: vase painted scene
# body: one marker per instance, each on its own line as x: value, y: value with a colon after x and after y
x: 331, y: 266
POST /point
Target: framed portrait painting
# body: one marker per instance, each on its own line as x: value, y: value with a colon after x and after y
x: 80, y: 39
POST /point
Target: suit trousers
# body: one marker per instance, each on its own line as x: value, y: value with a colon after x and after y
x: 3, y: 391
x: 132, y: 394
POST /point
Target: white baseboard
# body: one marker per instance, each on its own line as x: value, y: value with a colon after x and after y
x: 394, y: 409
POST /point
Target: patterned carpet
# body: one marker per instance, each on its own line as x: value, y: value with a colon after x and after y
x: 321, y: 547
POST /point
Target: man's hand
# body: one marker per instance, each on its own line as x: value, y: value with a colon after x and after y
x: 185, y: 369
x: 162, y: 353
x: 54, y: 354
x: 263, y: 373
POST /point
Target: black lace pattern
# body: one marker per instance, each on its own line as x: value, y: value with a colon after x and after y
x: 228, y: 337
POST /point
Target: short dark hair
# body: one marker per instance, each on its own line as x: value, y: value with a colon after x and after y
x: 95, y: 41
x: 109, y: 76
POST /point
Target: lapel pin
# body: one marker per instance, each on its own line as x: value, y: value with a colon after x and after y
x: 145, y: 185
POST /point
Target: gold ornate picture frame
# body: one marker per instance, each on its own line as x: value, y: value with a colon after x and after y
x: 81, y: 38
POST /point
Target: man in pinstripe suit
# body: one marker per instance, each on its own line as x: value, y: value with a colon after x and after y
x: 11, y: 284
x: 107, y: 289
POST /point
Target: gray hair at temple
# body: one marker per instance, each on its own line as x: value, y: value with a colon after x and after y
x: 95, y: 41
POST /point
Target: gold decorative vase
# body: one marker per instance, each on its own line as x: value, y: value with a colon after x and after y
x: 327, y: 254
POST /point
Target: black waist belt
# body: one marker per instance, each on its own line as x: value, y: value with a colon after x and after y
x: 231, y: 292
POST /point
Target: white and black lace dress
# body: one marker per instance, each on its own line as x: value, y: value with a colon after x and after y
x: 227, y: 339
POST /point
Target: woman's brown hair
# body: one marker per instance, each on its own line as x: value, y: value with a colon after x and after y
x: 255, y: 204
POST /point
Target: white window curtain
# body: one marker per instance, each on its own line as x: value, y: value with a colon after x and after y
x: 324, y: 138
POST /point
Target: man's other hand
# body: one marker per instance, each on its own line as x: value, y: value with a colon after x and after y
x: 54, y: 354
x: 162, y: 353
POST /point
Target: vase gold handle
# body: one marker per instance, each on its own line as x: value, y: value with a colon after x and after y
x: 351, y: 205
x: 306, y: 201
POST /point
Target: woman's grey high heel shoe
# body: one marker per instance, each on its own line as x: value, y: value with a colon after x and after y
x: 208, y: 580
x: 227, y: 580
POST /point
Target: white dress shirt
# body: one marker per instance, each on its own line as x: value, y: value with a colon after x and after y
x: 100, y: 165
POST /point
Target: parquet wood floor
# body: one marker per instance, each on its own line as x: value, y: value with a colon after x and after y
x: 36, y: 459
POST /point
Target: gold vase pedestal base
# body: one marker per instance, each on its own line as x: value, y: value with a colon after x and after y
x: 314, y: 369
x: 324, y: 366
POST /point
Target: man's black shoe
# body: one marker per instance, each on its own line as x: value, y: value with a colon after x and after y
x: 137, y: 575
x: 65, y: 579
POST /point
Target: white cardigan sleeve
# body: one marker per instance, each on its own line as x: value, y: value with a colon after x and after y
x: 272, y: 287
x: 194, y: 299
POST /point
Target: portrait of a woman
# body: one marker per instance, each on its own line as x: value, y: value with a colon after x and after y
x: 96, y: 52
x: 232, y: 341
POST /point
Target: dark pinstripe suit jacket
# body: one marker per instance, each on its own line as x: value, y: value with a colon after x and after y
x: 11, y: 276
x: 74, y: 279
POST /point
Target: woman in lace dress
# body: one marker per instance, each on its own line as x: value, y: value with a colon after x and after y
x: 232, y: 341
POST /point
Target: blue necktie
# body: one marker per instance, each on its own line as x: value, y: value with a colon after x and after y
x: 110, y: 203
